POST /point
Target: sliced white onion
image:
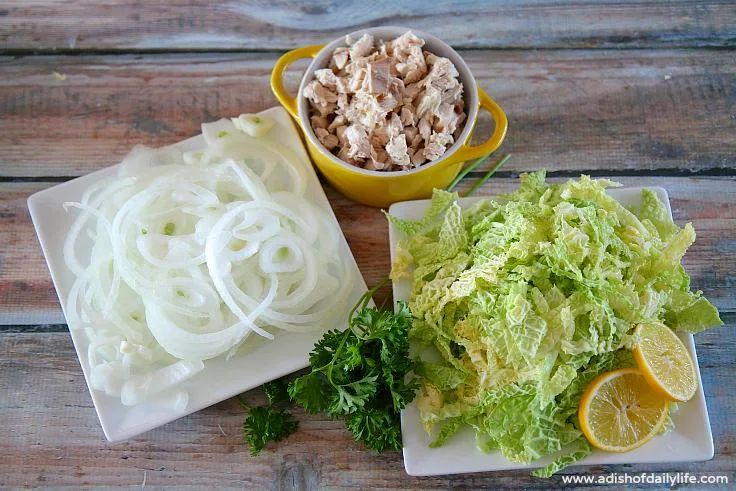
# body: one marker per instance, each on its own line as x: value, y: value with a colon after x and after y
x: 253, y: 124
x: 192, y: 253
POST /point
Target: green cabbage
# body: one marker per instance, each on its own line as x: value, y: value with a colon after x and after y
x: 527, y: 298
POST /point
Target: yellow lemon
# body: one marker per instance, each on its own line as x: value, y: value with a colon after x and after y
x: 665, y: 363
x: 620, y: 412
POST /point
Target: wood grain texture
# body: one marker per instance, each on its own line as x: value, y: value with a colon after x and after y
x: 252, y: 25
x: 594, y: 110
x: 139, y: 72
x: 23, y: 292
x: 50, y: 436
x: 27, y: 295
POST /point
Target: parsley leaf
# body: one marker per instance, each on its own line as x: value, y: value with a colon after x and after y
x: 354, y: 395
x: 267, y: 424
x: 325, y: 348
x: 309, y: 392
x: 379, y: 429
x: 276, y: 391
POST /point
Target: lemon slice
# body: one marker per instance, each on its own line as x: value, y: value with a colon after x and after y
x: 619, y: 411
x: 665, y: 363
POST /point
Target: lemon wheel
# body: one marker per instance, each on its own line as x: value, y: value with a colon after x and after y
x: 620, y: 412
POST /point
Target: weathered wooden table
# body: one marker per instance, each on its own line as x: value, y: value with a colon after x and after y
x: 644, y: 92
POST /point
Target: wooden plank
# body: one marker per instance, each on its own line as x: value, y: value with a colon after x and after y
x: 26, y: 290
x: 201, y: 25
x: 608, y: 111
x: 50, y: 436
x: 27, y: 295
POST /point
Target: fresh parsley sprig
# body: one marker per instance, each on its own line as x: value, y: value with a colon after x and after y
x: 363, y: 374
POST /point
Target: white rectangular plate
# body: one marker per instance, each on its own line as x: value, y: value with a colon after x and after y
x: 690, y: 441
x: 220, y: 379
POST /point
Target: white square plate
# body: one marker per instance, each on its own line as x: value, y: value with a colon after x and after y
x: 690, y: 441
x: 220, y: 379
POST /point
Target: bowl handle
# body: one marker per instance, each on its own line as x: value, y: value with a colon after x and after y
x: 467, y: 152
x: 277, y: 76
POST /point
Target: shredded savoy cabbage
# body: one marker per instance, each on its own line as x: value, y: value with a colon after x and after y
x: 527, y: 298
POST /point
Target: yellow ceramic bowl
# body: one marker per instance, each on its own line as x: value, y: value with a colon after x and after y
x: 377, y: 188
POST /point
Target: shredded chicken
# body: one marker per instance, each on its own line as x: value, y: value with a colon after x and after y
x: 326, y: 77
x: 326, y: 138
x: 362, y: 47
x: 407, y: 116
x: 425, y: 129
x: 318, y: 93
x: 429, y: 102
x: 395, y: 127
x: 397, y: 150
x: 418, y: 157
x: 319, y: 122
x: 437, y: 145
x: 411, y: 132
x: 339, y: 58
x: 447, y: 118
x: 359, y: 146
x: 386, y: 105
x: 378, y: 76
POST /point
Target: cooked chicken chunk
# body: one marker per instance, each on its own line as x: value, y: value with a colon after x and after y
x: 407, y: 116
x: 360, y: 48
x: 395, y: 126
x: 425, y: 128
x: 378, y: 76
x: 359, y: 146
x: 367, y: 110
x: 397, y: 150
x: 380, y: 137
x: 340, y: 57
x: 418, y: 158
x: 326, y: 77
x: 326, y: 138
x: 406, y: 40
x: 429, y: 102
x: 339, y: 120
x: 447, y: 119
x: 411, y: 132
x: 437, y: 145
x: 343, y: 85
x: 319, y: 122
x: 318, y: 93
x: 340, y: 133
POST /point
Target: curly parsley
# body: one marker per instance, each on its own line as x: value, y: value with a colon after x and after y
x: 269, y: 423
x: 362, y: 375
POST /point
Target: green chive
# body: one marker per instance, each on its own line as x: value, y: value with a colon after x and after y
x: 487, y: 176
x: 169, y: 228
x: 466, y: 171
x: 222, y: 134
x: 256, y: 119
